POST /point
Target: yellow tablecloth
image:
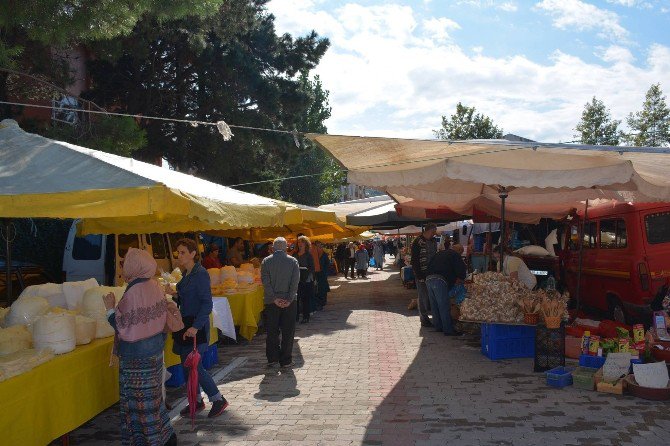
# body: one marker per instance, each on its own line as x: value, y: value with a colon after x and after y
x: 58, y: 396
x: 172, y: 359
x: 246, y: 309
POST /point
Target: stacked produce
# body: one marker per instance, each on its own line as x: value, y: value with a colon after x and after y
x: 493, y: 297
x: 233, y: 280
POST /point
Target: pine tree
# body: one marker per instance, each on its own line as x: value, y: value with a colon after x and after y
x: 597, y: 126
x: 466, y: 124
x: 650, y: 127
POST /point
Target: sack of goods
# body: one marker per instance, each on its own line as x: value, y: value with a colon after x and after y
x: 52, y: 292
x: 85, y: 329
x: 93, y: 306
x: 56, y: 332
x: 25, y: 310
x: 74, y: 292
x: 214, y: 276
x: 14, y: 339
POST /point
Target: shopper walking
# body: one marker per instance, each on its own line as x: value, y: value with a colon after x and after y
x: 362, y: 261
x: 194, y: 297
x: 280, y: 274
x: 378, y: 254
x: 424, y: 248
x: 139, y: 345
x: 351, y: 260
x: 306, y: 285
x: 445, y: 269
x: 341, y: 258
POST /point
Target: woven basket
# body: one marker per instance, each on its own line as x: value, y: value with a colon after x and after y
x: 531, y: 318
x: 552, y: 322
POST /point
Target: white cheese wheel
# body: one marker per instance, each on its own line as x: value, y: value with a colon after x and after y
x: 214, y: 276
x: 228, y: 272
x: 56, y: 332
x: 74, y: 292
x: 14, y: 339
x: 25, y: 310
x: 92, y: 304
x: 85, y: 329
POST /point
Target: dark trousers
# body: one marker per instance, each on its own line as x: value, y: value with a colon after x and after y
x: 351, y: 265
x: 280, y: 320
x: 361, y: 272
x: 305, y: 296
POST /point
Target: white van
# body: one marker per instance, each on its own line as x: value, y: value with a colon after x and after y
x: 99, y: 256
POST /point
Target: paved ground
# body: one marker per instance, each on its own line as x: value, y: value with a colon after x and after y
x: 366, y: 373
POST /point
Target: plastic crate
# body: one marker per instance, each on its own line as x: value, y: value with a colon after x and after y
x: 559, y: 377
x: 549, y: 348
x: 584, y: 378
x: 501, y: 341
x: 594, y: 362
x: 211, y: 357
x: 178, y: 377
x: 407, y: 274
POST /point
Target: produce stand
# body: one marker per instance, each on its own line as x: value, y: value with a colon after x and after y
x: 58, y: 396
x: 246, y: 308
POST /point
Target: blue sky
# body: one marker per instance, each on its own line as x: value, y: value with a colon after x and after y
x: 395, y: 67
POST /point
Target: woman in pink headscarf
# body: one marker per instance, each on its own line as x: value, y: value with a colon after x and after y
x: 139, y: 321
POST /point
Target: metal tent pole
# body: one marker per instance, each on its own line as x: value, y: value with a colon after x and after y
x: 503, y: 241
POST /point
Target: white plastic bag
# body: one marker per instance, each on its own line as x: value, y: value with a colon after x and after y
x: 214, y: 276
x: 74, y: 292
x: 25, y: 310
x: 533, y: 250
x: 102, y: 328
x: 85, y: 329
x: 92, y: 304
x: 56, y: 332
x: 228, y: 272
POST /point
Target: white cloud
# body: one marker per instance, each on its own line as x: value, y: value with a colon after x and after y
x: 581, y: 16
x: 438, y: 28
x: 386, y: 77
x: 508, y: 6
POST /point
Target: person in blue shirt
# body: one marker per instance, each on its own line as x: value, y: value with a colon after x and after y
x: 194, y: 298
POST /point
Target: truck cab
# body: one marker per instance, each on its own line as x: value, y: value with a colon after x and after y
x: 626, y: 257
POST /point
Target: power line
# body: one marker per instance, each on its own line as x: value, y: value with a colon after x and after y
x: 284, y: 178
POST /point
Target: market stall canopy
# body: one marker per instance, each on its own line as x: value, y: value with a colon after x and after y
x: 541, y: 179
x: 344, y: 208
x: 40, y: 177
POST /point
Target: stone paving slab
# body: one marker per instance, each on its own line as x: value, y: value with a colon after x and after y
x: 367, y: 374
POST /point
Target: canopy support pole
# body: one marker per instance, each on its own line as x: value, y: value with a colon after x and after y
x: 503, y: 240
x: 581, y: 255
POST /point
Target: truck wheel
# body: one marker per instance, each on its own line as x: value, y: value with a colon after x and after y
x: 617, y: 312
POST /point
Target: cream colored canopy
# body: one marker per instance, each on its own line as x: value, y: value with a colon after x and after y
x: 542, y: 180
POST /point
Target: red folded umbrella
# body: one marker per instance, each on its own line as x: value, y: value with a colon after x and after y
x: 192, y: 361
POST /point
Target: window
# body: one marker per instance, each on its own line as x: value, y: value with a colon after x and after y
x: 573, y: 241
x: 158, y: 247
x: 613, y: 234
x: 127, y: 241
x: 87, y: 248
x: 658, y: 227
x: 589, y: 240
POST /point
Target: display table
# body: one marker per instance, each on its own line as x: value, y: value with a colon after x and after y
x: 246, y: 309
x: 58, y: 396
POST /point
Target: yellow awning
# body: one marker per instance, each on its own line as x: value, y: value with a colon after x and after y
x: 40, y: 177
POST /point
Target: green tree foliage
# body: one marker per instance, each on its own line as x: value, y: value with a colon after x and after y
x: 321, y: 176
x: 231, y: 66
x: 650, y: 127
x: 466, y: 124
x: 596, y: 126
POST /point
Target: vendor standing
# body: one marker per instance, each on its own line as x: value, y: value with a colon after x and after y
x: 212, y: 259
x: 194, y: 297
x: 516, y: 269
x: 236, y: 253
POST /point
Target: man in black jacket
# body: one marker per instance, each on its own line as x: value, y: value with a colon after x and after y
x: 424, y: 248
x: 444, y: 270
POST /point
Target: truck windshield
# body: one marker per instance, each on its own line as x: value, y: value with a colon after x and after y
x: 658, y: 227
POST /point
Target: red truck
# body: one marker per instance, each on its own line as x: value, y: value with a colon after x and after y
x: 626, y: 258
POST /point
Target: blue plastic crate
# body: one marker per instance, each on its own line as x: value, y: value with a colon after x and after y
x: 559, y: 377
x: 501, y: 341
x: 407, y: 274
x: 211, y: 357
x: 178, y: 377
x: 594, y: 362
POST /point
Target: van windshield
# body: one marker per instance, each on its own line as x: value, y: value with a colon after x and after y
x: 658, y: 227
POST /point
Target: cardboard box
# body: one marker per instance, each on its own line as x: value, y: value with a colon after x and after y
x: 604, y: 387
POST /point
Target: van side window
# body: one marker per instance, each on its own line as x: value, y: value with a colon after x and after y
x: 158, y: 245
x: 127, y: 241
x: 87, y: 248
x: 613, y: 234
x: 658, y: 227
x: 590, y: 235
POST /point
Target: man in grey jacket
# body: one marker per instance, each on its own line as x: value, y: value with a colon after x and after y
x: 280, y: 274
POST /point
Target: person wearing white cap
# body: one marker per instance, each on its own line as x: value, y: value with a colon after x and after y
x: 280, y: 274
